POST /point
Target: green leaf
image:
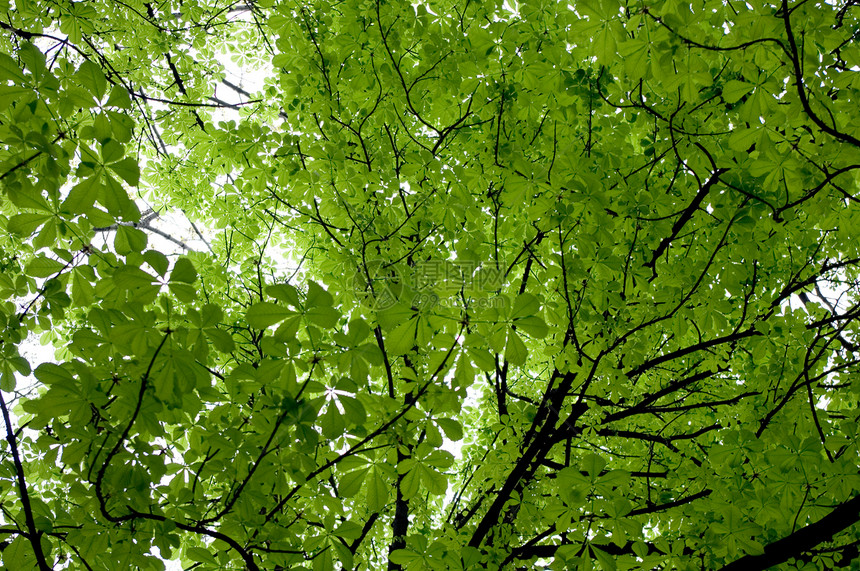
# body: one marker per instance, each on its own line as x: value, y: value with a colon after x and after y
x: 410, y: 483
x: 33, y: 58
x: 742, y: 139
x: 50, y: 373
x: 102, y: 129
x: 377, y: 491
x: 117, y: 202
x: 353, y: 410
x: 441, y: 459
x: 470, y: 556
x: 733, y: 90
x: 515, y: 350
x: 317, y: 296
x: 78, y: 97
x: 112, y: 151
x: 184, y: 292
x: 533, y: 326
x: 606, y: 561
x: 264, y: 314
x: 592, y: 464
x: 47, y: 236
x: 453, y: 430
x: 435, y: 482
x: 119, y: 98
x: 7, y: 384
x: 157, y: 261
x: 128, y: 170
x: 27, y: 223
x: 482, y: 358
x: 183, y: 271
x: 130, y: 277
x: 332, y: 422
x: 285, y: 293
x: 98, y: 218
x: 211, y: 315
x: 323, y: 561
x: 525, y: 305
x: 14, y: 94
x: 350, y: 483
x: 28, y: 200
x: 200, y: 554
x: 129, y: 239
x: 43, y: 267
x: 394, y: 316
x: 348, y: 530
x: 401, y: 340
x: 20, y: 364
x: 221, y: 340
x: 9, y: 70
x: 121, y: 126
x: 323, y: 316
x: 82, y: 287
x: 82, y: 196
x: 91, y: 77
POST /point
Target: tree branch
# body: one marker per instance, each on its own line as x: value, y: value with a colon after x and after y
x: 33, y: 534
x: 794, y: 544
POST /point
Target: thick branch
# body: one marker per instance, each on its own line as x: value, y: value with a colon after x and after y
x: 801, y: 89
x: 685, y: 217
x: 794, y: 544
x: 33, y: 534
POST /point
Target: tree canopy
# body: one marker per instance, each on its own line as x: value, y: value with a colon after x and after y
x: 450, y: 285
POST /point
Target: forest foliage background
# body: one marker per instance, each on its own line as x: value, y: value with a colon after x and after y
x: 456, y: 285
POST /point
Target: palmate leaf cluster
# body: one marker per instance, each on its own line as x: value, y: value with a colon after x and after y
x: 465, y: 285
